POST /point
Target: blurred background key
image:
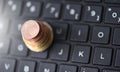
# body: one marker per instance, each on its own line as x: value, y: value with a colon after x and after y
x: 7, y: 65
x: 1, y: 5
x: 4, y: 46
x: 15, y: 27
x: 18, y: 48
x: 112, y: 1
x: 32, y: 9
x: 13, y: 7
x: 52, y: 10
x: 72, y: 12
x: 3, y: 26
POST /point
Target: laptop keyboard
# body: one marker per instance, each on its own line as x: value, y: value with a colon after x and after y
x: 86, y: 36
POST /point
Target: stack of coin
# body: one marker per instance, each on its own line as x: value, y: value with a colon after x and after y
x: 37, y: 35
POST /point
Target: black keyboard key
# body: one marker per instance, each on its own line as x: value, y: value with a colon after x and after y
x: 4, y: 26
x: 39, y: 54
x: 47, y: 67
x: 60, y: 30
x: 110, y: 71
x: 67, y: 68
x: 16, y: 27
x: 79, y: 33
x: 92, y: 13
x: 88, y: 69
x: 112, y: 15
x: 18, y: 48
x: 102, y: 56
x: 100, y: 34
x: 32, y: 9
x: 7, y: 65
x: 81, y: 54
x: 72, y: 12
x: 13, y: 7
x: 59, y: 52
x: 52, y: 10
x: 26, y: 66
x: 4, y: 45
x: 117, y: 61
x: 112, y: 1
x: 116, y: 36
x: 93, y: 0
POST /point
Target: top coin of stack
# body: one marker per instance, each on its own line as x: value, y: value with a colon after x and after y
x: 37, y: 35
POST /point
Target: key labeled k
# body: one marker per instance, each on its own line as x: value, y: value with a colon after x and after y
x: 81, y: 53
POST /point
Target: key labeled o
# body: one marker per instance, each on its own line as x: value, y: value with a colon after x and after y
x: 114, y: 15
x: 100, y: 34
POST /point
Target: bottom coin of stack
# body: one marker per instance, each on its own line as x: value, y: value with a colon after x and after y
x: 37, y: 37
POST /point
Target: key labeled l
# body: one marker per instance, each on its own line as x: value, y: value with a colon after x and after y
x: 102, y: 57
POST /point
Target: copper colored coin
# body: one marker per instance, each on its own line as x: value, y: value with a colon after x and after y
x: 30, y: 29
x: 37, y: 35
x: 42, y: 34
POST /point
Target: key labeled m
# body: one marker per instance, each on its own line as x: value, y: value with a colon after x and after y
x: 46, y: 70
